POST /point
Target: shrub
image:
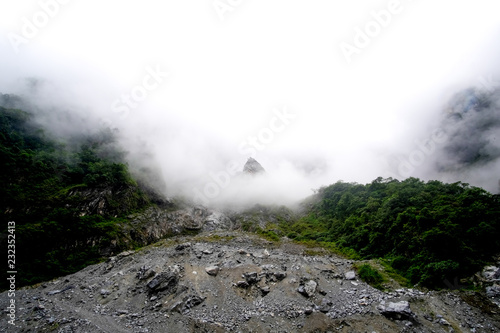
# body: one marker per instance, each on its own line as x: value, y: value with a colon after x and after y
x: 370, y: 276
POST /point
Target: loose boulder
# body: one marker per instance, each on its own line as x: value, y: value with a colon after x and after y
x: 212, y: 270
x: 397, y: 310
x: 308, y: 288
x: 166, y: 280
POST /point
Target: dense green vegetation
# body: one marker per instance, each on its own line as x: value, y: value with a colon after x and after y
x: 46, y: 187
x: 370, y: 275
x: 430, y: 232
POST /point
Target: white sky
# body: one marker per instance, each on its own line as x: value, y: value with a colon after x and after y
x: 226, y: 76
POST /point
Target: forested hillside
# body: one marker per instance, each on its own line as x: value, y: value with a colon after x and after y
x: 65, y: 196
x: 430, y: 232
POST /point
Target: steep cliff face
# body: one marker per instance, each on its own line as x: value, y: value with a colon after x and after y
x: 107, y: 201
x: 156, y: 223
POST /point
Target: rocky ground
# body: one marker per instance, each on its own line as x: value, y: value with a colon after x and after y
x: 237, y: 282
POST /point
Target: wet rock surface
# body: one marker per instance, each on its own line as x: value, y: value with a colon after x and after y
x: 223, y: 282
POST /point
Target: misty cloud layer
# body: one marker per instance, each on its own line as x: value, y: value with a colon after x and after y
x: 463, y: 146
x: 473, y: 126
x: 472, y: 151
x: 192, y: 95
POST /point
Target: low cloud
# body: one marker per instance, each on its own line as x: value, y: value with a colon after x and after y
x: 278, y: 91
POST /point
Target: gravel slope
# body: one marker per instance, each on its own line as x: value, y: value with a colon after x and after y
x: 232, y: 281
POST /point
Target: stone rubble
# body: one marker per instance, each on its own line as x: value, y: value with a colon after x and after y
x: 200, y: 285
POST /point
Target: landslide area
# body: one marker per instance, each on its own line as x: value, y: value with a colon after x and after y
x: 232, y: 281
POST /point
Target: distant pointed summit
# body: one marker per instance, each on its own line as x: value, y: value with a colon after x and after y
x: 253, y: 167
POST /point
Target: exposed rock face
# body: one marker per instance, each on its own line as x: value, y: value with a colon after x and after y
x: 156, y: 223
x: 111, y: 201
x: 168, y: 288
x: 253, y: 167
x: 260, y: 215
x: 491, y: 273
x: 490, y: 279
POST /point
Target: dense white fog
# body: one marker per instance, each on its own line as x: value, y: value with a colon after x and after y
x: 315, y: 91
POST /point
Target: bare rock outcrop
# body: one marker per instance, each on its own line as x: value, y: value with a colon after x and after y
x: 253, y: 167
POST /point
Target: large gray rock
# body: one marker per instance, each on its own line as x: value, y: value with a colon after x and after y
x: 308, y: 288
x: 212, y: 270
x: 183, y: 246
x: 242, y: 284
x: 166, y: 280
x: 187, y: 303
x: 490, y: 273
x: 350, y: 275
x: 279, y: 275
x: 397, y: 310
x: 493, y: 291
x: 145, y: 272
x: 326, y: 305
x: 251, y: 277
x: 497, y: 274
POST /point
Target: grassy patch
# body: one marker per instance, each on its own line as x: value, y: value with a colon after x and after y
x: 371, y: 276
x: 268, y: 234
x: 53, y: 327
x: 333, y: 248
x: 393, y: 274
x: 214, y: 238
x: 315, y: 252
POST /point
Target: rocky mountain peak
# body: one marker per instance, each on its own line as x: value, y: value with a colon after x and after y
x: 253, y: 167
